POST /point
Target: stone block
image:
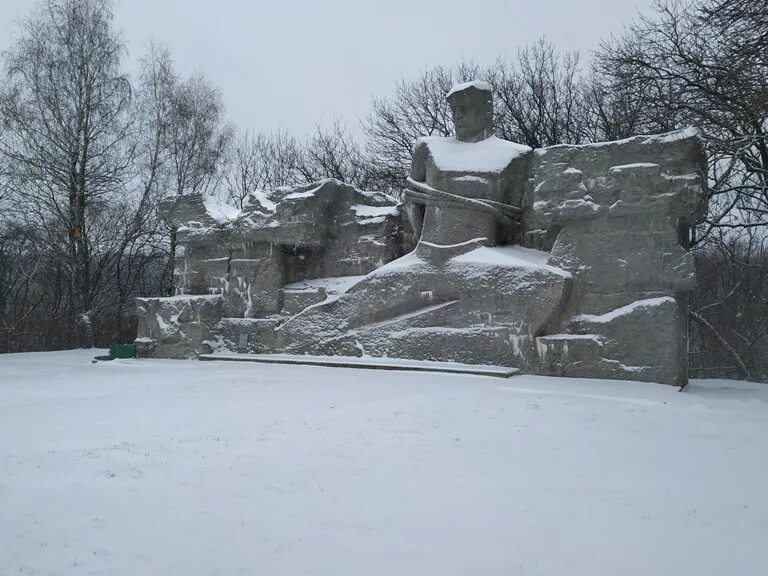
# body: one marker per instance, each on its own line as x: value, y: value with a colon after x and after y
x: 177, y: 327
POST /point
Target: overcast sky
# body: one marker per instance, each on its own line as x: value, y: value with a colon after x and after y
x: 285, y: 64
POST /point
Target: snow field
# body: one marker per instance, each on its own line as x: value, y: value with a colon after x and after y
x: 184, y: 467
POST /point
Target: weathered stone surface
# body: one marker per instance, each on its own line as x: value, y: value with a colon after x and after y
x: 202, y: 233
x: 501, y: 181
x: 456, y: 297
x: 251, y: 335
x: 177, y: 327
x: 644, y: 340
x: 616, y: 215
x: 569, y: 260
x: 626, y: 202
x: 249, y: 257
x: 323, y: 229
x: 414, y: 308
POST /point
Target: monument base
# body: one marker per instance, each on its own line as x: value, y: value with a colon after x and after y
x: 370, y: 363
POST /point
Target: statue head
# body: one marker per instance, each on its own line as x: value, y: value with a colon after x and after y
x: 472, y: 110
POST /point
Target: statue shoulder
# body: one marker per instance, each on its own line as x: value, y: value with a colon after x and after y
x: 424, y: 144
x: 422, y: 149
x: 491, y: 155
x: 420, y: 157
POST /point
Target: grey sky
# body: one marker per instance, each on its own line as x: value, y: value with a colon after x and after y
x: 289, y: 63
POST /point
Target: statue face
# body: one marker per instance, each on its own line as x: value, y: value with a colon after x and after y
x: 472, y: 115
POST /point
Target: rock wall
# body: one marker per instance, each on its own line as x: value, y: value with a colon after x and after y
x: 598, y: 288
x: 246, y: 260
x: 617, y: 215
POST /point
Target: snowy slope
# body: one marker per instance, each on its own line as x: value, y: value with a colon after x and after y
x: 172, y: 467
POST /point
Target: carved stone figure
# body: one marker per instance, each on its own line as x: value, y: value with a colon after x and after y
x: 457, y: 296
x: 568, y: 260
x: 464, y: 188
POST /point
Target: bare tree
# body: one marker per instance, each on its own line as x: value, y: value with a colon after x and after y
x: 742, y: 22
x: 244, y: 173
x: 84, y: 159
x: 612, y: 110
x: 690, y: 68
x: 260, y: 162
x: 64, y: 121
x: 125, y: 240
x: 136, y: 247
x: 197, y: 138
x: 729, y: 336
x: 280, y: 158
x: 334, y: 153
x: 540, y: 97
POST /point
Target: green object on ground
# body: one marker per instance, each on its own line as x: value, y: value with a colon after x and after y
x: 122, y: 351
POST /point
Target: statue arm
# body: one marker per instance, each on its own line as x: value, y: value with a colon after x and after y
x: 419, y: 162
x: 415, y: 211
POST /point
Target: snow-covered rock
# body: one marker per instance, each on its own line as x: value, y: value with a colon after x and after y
x: 591, y: 279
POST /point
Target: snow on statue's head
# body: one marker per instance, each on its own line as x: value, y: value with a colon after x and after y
x: 471, y: 106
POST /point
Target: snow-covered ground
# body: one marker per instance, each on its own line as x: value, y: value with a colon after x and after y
x: 191, y: 468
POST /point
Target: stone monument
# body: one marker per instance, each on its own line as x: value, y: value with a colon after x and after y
x: 568, y: 260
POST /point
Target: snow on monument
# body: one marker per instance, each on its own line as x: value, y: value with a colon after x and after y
x: 568, y: 260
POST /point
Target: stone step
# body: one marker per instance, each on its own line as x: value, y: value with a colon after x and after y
x: 296, y: 300
x: 401, y: 364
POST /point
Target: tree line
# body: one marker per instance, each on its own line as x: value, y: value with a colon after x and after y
x: 87, y: 151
